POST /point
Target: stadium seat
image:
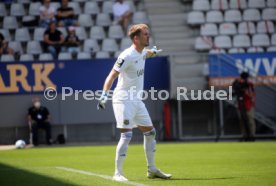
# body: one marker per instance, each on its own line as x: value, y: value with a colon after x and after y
x: 6, y: 34
x: 237, y: 4
x: 33, y: 47
x: 22, y: 35
x: 256, y: 4
x: 260, y: 40
x: 24, y: 1
x: 236, y: 50
x: 28, y: 18
x: 76, y: 7
x: 63, y: 31
x: 223, y: 42
x: 125, y: 43
x: 271, y: 3
x: 115, y: 32
x: 39, y: 34
x: 214, y: 16
x: 97, y: 32
x: 45, y: 57
x: 269, y: 14
x: 203, y: 43
x: 10, y: 22
x: 116, y: 55
x: 16, y: 46
x: 107, y: 7
x: 83, y: 55
x: 109, y: 45
x: 140, y: 17
x: 7, y: 58
x: 251, y: 15
x: 196, y: 18
x: 102, y: 55
x: 91, y: 7
x: 34, y: 8
x: 65, y: 56
x: 255, y: 49
x: 271, y: 49
x: 241, y: 41
x: 81, y: 33
x: 3, y: 11
x: 208, y: 29
x: 265, y: 27
x: 91, y: 45
x: 17, y: 10
x: 233, y: 16
x: 26, y: 57
x: 217, y: 51
x: 201, y: 5
x: 227, y: 29
x: 219, y: 4
x: 85, y: 20
x: 103, y: 19
x: 273, y: 39
x: 131, y: 5
x: 246, y: 28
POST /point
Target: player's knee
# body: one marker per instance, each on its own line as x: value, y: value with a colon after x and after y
x: 126, y: 135
x: 152, y: 132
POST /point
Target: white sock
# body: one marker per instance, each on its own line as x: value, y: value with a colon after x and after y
x: 121, y: 151
x: 150, y: 147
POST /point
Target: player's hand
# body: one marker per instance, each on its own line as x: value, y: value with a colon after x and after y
x: 155, y: 50
x: 102, y: 101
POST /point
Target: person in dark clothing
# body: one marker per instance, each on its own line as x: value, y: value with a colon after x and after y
x: 53, y: 40
x: 245, y: 94
x: 4, y: 49
x: 38, y: 118
x: 72, y: 41
x: 65, y: 15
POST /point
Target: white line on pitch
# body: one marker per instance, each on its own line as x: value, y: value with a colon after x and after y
x: 98, y: 175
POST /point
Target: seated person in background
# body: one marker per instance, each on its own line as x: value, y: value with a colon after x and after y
x: 38, y: 117
x: 72, y: 41
x: 4, y: 49
x: 53, y: 40
x: 47, y: 14
x: 122, y: 14
x: 65, y: 15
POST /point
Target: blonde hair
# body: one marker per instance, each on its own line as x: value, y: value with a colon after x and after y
x: 135, y: 30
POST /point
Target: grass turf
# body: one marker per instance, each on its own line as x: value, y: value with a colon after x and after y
x: 191, y: 164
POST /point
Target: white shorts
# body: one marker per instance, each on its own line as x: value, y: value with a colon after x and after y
x: 131, y: 114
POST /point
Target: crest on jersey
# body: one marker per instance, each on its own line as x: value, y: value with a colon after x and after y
x: 120, y: 62
x: 126, y: 122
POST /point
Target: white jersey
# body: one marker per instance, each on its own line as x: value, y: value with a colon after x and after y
x: 130, y: 64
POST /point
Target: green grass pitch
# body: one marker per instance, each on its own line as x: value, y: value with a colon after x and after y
x: 196, y: 164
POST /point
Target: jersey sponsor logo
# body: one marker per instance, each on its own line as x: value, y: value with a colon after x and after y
x: 140, y: 72
x: 120, y: 62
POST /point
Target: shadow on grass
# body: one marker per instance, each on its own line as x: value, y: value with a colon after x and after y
x: 12, y: 176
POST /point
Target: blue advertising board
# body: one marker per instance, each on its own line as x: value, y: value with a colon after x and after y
x: 35, y: 77
x: 224, y: 68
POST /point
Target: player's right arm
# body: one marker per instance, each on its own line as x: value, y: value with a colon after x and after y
x: 110, y: 79
x: 120, y: 65
x: 107, y: 85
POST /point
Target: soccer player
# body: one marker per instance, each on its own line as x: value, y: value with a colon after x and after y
x: 129, y: 110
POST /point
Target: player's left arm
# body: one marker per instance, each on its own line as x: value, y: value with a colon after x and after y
x: 153, y: 52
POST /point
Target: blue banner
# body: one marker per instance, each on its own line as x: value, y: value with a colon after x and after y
x: 224, y: 68
x: 35, y: 77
